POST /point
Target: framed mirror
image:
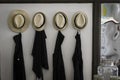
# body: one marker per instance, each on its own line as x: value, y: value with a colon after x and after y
x: 110, y: 23
x: 105, y: 38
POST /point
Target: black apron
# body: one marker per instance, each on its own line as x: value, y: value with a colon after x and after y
x: 18, y: 63
x: 58, y: 64
x: 77, y: 59
x: 39, y: 54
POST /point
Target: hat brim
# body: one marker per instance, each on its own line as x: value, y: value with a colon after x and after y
x: 66, y: 21
x: 40, y: 28
x: 26, y: 19
x: 74, y: 20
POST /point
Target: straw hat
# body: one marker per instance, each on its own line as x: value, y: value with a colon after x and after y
x: 39, y: 21
x: 60, y: 21
x: 18, y: 21
x: 79, y: 20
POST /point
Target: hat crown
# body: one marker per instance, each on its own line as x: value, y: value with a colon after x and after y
x: 38, y: 20
x: 60, y: 20
x: 80, y: 20
x: 19, y: 21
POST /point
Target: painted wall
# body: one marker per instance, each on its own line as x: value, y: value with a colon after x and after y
x: 68, y: 46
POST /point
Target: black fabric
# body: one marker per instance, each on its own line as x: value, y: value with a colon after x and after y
x: 58, y: 64
x: 18, y: 63
x: 39, y: 54
x: 77, y: 59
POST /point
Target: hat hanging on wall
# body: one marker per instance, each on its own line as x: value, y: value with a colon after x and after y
x: 39, y: 51
x: 79, y: 20
x: 39, y: 21
x: 60, y: 21
x: 18, y: 21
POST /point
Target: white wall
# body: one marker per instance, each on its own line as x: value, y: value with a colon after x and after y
x: 7, y: 44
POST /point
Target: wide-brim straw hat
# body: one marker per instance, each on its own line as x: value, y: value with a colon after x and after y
x: 18, y: 21
x: 60, y: 21
x: 39, y: 21
x: 79, y: 20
